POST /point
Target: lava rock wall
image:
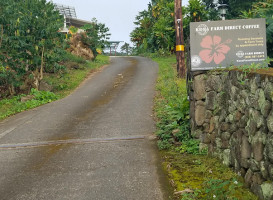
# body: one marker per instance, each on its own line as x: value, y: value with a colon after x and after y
x: 232, y: 115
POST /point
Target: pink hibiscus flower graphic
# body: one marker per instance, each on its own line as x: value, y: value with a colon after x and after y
x: 213, y: 49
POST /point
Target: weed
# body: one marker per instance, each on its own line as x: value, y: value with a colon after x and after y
x: 222, y: 93
x: 221, y: 189
x: 191, y: 146
x: 14, y: 105
x: 72, y: 58
x: 64, y: 83
x: 172, y: 108
x: 191, y: 196
x: 163, y: 144
x: 43, y: 96
x: 243, y: 81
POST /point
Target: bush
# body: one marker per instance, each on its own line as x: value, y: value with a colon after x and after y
x: 29, y: 32
x: 14, y: 104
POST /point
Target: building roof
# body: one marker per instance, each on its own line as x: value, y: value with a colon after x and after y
x: 70, y: 16
x: 76, y: 22
x: 67, y: 11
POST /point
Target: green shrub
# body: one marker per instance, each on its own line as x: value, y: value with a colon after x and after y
x: 14, y: 105
x: 43, y: 96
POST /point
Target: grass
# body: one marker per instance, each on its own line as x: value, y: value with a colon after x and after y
x: 171, y: 105
x: 205, y: 176
x: 193, y: 174
x: 14, y: 105
x: 63, y: 83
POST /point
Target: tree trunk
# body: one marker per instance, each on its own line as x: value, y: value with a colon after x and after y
x: 2, y: 33
x: 42, y: 65
x: 11, y: 90
x: 36, y: 79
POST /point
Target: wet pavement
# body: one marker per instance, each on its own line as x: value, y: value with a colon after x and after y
x: 97, y: 143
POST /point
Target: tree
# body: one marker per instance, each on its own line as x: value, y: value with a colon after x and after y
x: 235, y: 7
x: 143, y: 30
x: 97, y: 35
x: 126, y: 48
x: 263, y: 10
x: 29, y: 37
x: 155, y: 31
x: 196, y: 11
x: 155, y: 28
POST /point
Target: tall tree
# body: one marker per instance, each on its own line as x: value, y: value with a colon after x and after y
x: 155, y: 27
x: 196, y: 11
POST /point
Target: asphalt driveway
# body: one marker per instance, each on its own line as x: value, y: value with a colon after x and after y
x: 97, y: 143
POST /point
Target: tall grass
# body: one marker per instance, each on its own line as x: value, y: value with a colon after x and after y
x: 171, y: 105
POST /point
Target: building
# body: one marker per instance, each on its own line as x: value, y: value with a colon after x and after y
x: 70, y: 18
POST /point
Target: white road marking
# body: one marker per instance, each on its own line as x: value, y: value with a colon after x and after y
x: 7, y: 132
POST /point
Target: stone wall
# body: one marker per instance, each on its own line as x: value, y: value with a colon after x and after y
x: 232, y: 114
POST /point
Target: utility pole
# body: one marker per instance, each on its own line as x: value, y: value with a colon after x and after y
x: 180, y: 54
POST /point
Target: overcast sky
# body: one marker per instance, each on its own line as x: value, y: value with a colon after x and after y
x: 118, y: 15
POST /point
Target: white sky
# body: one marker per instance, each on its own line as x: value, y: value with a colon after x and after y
x: 117, y: 15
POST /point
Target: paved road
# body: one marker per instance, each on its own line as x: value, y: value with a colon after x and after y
x: 94, y: 144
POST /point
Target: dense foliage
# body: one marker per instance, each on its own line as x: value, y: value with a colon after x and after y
x: 263, y: 10
x: 155, y: 27
x: 235, y: 7
x: 97, y: 36
x: 196, y: 11
x: 155, y: 31
x: 29, y: 42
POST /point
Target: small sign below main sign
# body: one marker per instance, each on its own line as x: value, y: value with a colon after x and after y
x: 220, y: 44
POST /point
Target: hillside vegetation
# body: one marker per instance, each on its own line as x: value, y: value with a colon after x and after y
x: 38, y: 63
x: 31, y: 44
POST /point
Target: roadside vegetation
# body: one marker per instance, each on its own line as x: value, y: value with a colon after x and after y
x: 61, y: 84
x: 38, y: 63
x: 77, y: 69
x: 171, y: 106
x: 192, y: 173
x: 155, y: 31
